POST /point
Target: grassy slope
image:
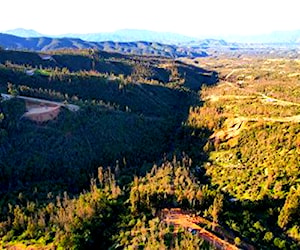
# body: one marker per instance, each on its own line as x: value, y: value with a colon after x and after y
x: 254, y: 146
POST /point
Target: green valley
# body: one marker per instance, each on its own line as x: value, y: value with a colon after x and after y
x: 198, y: 153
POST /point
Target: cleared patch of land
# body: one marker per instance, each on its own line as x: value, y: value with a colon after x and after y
x: 189, y: 221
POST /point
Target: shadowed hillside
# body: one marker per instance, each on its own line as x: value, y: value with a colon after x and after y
x: 130, y: 109
x: 133, y: 48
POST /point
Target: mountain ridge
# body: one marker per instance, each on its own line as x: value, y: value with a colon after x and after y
x: 129, y: 35
x: 122, y: 35
x: 191, y: 49
x: 137, y: 48
x: 23, y: 32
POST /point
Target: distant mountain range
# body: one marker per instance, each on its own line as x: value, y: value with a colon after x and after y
x: 126, y: 35
x: 137, y: 48
x: 154, y: 43
x: 131, y: 35
x: 23, y: 32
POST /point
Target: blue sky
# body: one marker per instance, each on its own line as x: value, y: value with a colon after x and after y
x: 190, y: 17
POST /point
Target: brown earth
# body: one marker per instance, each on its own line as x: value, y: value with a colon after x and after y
x: 180, y: 218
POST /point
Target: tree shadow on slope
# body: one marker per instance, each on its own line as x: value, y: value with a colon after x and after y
x: 126, y: 126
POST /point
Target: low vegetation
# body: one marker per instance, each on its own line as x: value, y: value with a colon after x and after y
x: 254, y: 148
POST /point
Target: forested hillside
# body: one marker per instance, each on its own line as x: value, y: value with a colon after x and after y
x: 214, y: 139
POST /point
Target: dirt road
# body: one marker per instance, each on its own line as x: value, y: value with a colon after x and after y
x: 177, y: 218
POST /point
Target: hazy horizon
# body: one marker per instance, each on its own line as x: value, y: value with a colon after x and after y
x: 146, y: 30
x: 191, y: 18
